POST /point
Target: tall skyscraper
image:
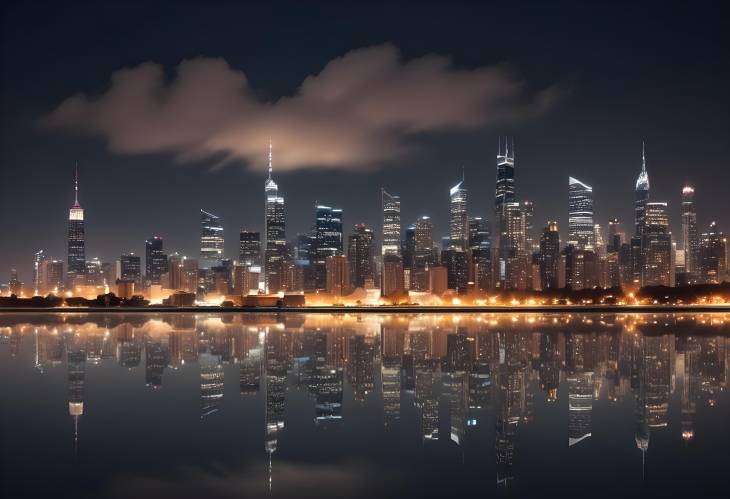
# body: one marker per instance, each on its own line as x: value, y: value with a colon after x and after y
x: 458, y: 219
x: 250, y: 248
x: 656, y: 246
x: 580, y: 216
x: 211, y: 240
x: 550, y: 257
x: 690, y: 236
x: 642, y: 196
x: 37, y: 260
x: 391, y: 223
x: 275, y: 231
x: 360, y: 256
x: 713, y: 255
x: 481, y: 253
x: 423, y: 255
x: 504, y: 192
x: 76, y: 239
x: 155, y: 260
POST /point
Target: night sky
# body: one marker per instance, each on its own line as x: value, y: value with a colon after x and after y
x: 354, y: 97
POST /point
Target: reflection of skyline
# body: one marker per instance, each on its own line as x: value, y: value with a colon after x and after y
x: 468, y: 371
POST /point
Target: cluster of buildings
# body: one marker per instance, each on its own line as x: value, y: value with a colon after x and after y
x: 334, y: 265
x: 474, y: 371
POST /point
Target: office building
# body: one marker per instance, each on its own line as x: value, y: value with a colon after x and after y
x: 549, y: 256
x: 155, y: 260
x: 580, y: 214
x: 391, y: 223
x: 275, y: 231
x: 458, y: 219
x: 249, y: 248
x: 360, y: 254
x: 690, y: 235
x: 211, y: 240
x: 76, y: 240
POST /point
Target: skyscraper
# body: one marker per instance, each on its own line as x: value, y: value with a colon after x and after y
x: 38, y: 258
x: 690, y: 236
x: 550, y: 256
x: 616, y: 235
x: 642, y: 196
x: 250, y: 248
x: 360, y: 256
x: 76, y: 239
x: 656, y: 245
x: 458, y: 220
x: 211, y: 240
x: 155, y: 260
x: 391, y: 223
x: 275, y: 231
x: 580, y: 215
x: 130, y: 269
x: 713, y: 255
x: 504, y: 192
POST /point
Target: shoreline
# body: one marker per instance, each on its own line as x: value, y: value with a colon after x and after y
x: 378, y: 309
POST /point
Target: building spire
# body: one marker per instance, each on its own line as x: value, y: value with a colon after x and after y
x: 270, y: 159
x: 76, y: 187
x: 643, y: 157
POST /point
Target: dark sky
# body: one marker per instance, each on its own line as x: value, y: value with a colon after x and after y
x: 616, y: 72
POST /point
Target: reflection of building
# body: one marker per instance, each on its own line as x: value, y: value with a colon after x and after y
x: 155, y: 362
x: 211, y: 383
x: 76, y: 366
x: 580, y: 406
x: 360, y: 370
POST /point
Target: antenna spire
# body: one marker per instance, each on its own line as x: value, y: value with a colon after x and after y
x: 76, y: 186
x: 270, y: 158
x: 643, y: 157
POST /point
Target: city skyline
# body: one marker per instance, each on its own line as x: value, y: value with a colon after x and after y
x: 591, y: 129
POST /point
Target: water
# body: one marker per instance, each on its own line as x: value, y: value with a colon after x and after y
x: 296, y: 405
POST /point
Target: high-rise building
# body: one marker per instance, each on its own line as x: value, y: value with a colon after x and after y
x: 642, y: 196
x: 457, y: 268
x: 250, y: 248
x: 275, y: 231
x: 37, y: 259
x: 391, y: 223
x: 327, y: 240
x: 175, y: 271
x: 690, y: 236
x: 50, y: 276
x: 479, y: 233
x: 424, y: 253
x: 93, y: 274
x: 458, y: 219
x: 408, y: 247
x: 713, y: 255
x: 338, y: 275
x: 504, y: 192
x: 360, y: 249
x: 76, y: 239
x: 550, y: 256
x: 211, y: 240
x: 481, y: 253
x: 130, y: 269
x: 580, y: 216
x: 393, y: 280
x: 155, y: 260
x: 528, y: 209
x: 656, y: 246
x: 616, y: 235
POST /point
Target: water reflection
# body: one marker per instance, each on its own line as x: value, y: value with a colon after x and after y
x: 458, y: 373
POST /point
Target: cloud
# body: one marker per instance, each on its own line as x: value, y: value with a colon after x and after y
x: 362, y: 110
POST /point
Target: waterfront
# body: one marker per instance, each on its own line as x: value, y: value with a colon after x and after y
x: 351, y: 405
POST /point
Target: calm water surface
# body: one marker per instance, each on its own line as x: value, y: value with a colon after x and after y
x: 296, y: 405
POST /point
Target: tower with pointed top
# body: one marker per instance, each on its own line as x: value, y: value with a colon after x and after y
x: 275, y: 232
x: 642, y: 195
x: 76, y: 240
x: 458, y: 219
